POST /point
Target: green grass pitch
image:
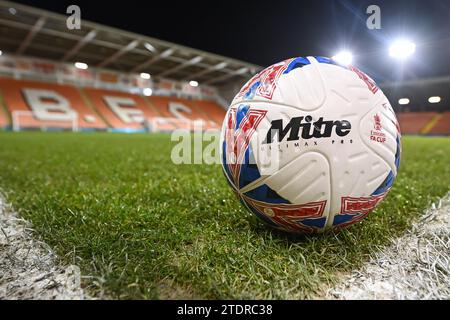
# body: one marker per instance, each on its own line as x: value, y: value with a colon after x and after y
x: 142, y: 227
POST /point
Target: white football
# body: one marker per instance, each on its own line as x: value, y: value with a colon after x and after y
x: 309, y: 145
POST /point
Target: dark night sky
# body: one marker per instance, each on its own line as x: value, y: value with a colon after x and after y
x: 266, y: 32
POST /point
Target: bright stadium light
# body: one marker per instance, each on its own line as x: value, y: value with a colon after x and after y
x: 81, y: 65
x: 145, y: 75
x: 402, y: 49
x: 1, y: 52
x: 434, y: 99
x: 147, y: 92
x: 343, y: 57
x: 193, y: 83
x: 403, y: 101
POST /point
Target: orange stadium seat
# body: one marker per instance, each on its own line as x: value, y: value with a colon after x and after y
x: 47, y: 105
x: 214, y: 111
x: 172, y: 107
x: 122, y: 111
x: 414, y: 122
x: 442, y: 126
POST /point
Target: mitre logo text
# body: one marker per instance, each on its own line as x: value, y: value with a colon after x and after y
x: 309, y: 129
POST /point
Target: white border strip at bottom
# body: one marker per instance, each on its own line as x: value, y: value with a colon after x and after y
x: 414, y: 266
x: 29, y: 268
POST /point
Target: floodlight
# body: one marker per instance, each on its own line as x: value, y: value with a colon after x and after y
x: 403, y: 101
x: 434, y: 99
x: 402, y: 49
x: 81, y: 65
x: 343, y: 57
x: 147, y: 92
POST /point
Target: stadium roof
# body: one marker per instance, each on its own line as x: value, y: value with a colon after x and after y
x: 39, y: 33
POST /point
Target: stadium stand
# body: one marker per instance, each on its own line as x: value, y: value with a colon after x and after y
x: 193, y: 110
x: 50, y: 105
x: 442, y: 125
x: 214, y: 111
x: 130, y: 112
x: 121, y: 111
x: 35, y: 105
x: 414, y: 122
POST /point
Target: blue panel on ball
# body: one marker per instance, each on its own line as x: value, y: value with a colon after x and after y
x: 324, y: 60
x: 389, y: 181
x: 265, y: 194
x: 329, y: 61
x: 397, y: 153
x: 251, y: 92
x: 385, y: 185
x: 342, y: 218
x: 249, y: 169
x: 296, y: 63
x: 318, y: 223
x: 240, y: 114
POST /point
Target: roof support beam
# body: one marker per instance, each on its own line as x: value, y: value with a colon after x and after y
x: 152, y: 60
x: 31, y: 34
x: 185, y: 64
x: 133, y: 44
x: 218, y: 66
x: 420, y: 82
x: 157, y: 54
x: 80, y: 44
x: 227, y: 76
